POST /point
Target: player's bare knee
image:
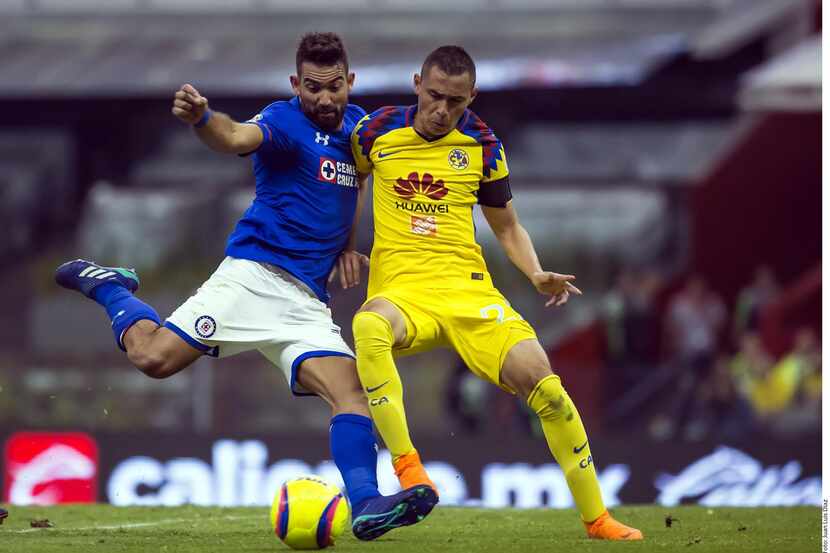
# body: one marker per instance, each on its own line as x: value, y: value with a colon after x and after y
x: 376, y: 305
x: 152, y: 363
x: 525, y: 380
x: 350, y: 400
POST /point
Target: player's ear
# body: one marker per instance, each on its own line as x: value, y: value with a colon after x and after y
x: 473, y: 95
x: 295, y: 83
x: 350, y: 81
x: 416, y: 80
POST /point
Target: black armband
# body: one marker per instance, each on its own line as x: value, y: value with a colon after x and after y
x: 496, y: 193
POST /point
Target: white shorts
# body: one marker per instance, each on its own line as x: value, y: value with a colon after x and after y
x: 245, y: 306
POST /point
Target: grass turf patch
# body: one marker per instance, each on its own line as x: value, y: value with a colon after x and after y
x: 103, y: 528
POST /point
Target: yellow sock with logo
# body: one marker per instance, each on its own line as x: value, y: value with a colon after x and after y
x: 373, y: 340
x: 568, y: 442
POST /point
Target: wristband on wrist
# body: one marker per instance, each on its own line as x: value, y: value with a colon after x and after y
x: 204, y: 120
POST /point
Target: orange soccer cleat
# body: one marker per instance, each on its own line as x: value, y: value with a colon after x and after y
x: 607, y: 528
x: 410, y: 471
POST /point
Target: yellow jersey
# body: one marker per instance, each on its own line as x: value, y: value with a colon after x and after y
x: 424, y: 193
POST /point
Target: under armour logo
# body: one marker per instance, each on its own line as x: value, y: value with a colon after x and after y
x: 324, y: 138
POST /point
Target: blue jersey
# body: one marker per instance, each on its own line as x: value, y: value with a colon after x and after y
x: 306, y: 194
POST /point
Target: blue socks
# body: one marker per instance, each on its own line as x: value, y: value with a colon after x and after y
x: 354, y: 450
x: 123, y: 308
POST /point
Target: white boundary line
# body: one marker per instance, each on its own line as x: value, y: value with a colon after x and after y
x: 135, y: 524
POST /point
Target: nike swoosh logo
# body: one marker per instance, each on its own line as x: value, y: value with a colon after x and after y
x: 381, y: 154
x: 378, y: 387
x: 116, y: 316
x: 580, y: 448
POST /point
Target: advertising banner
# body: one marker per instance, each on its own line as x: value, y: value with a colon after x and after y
x: 160, y: 469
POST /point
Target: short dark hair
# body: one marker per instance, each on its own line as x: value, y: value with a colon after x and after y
x: 321, y: 49
x: 452, y: 60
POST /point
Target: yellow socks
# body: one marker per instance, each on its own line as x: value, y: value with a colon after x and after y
x: 376, y: 368
x: 568, y: 442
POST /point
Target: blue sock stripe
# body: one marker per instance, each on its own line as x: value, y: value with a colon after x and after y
x: 324, y: 524
x: 282, y: 513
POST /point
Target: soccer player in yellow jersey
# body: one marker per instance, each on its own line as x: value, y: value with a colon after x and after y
x: 428, y: 283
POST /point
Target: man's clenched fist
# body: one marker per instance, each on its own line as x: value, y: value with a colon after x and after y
x: 189, y: 105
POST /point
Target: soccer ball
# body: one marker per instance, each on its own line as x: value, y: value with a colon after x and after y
x: 309, y: 513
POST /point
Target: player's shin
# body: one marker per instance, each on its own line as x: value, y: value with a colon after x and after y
x: 379, y: 377
x: 354, y: 451
x: 124, y: 309
x: 568, y: 442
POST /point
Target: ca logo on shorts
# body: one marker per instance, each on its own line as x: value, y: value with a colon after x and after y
x: 205, y: 326
x: 458, y: 159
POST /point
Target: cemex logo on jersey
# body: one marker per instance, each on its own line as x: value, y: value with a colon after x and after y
x: 50, y: 468
x: 337, y: 172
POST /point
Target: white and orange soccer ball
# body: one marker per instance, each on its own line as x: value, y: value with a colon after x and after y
x: 309, y: 513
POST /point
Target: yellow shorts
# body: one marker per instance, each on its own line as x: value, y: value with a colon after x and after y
x: 479, y: 324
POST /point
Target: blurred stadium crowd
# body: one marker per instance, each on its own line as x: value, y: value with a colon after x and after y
x: 725, y: 373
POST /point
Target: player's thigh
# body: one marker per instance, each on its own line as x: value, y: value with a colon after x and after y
x: 305, y: 335
x: 525, y: 364
x: 241, y: 307
x: 418, y: 326
x: 333, y: 378
x: 483, y: 328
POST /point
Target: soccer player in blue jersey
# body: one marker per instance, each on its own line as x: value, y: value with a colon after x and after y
x: 269, y: 293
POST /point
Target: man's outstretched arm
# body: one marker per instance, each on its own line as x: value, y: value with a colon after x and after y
x: 519, y: 248
x: 217, y: 130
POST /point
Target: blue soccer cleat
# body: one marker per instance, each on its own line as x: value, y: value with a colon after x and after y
x: 4, y: 514
x: 85, y: 276
x: 381, y: 514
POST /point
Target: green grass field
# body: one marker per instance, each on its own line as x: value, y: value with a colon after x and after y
x: 102, y: 528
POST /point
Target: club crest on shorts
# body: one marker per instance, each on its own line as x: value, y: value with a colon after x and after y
x: 458, y: 159
x: 205, y: 326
